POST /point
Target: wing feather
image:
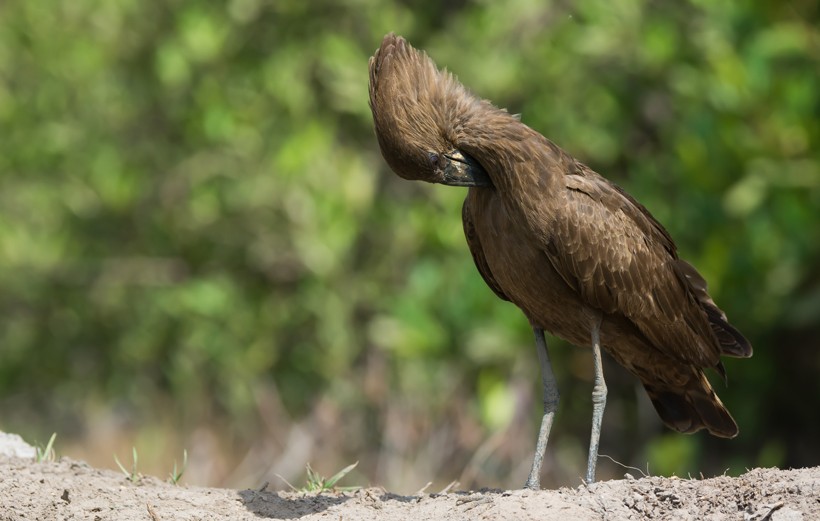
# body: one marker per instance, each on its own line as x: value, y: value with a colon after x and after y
x: 620, y: 260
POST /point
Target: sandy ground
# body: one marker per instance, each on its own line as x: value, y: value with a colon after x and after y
x: 68, y: 489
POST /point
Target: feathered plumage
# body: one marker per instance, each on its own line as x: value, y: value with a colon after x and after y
x: 559, y: 241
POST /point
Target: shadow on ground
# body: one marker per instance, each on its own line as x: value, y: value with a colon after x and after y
x: 272, y: 505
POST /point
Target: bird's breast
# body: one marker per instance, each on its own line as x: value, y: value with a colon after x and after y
x: 521, y: 269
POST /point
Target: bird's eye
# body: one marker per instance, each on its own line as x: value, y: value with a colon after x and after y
x: 434, y: 158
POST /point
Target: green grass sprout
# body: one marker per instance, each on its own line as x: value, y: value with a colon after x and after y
x: 176, y: 474
x: 318, y: 483
x: 133, y: 476
x: 48, y: 453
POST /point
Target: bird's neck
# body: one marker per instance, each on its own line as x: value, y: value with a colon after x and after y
x: 520, y: 162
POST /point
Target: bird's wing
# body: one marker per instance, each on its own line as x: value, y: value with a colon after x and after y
x: 620, y: 260
x: 477, y: 251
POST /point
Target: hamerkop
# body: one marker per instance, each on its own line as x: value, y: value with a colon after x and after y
x: 577, y: 254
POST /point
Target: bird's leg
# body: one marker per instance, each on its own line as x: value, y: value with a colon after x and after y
x: 598, y: 400
x: 550, y: 405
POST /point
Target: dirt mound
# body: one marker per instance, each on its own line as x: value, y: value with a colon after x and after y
x: 69, y: 489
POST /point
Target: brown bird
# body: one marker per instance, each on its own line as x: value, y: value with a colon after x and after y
x: 577, y: 254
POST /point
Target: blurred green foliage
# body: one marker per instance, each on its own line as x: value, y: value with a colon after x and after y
x: 193, y: 207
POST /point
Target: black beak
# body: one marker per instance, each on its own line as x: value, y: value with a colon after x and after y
x: 462, y: 170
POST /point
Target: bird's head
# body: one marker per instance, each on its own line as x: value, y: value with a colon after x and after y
x: 419, y: 113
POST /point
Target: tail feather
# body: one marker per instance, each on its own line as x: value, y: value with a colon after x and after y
x: 692, y: 407
x: 732, y: 342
